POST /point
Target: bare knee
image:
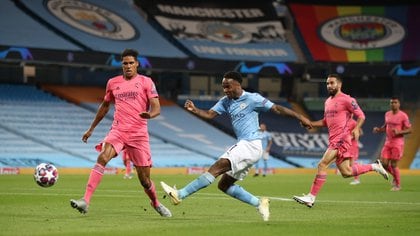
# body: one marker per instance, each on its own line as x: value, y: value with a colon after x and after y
x: 103, y: 159
x: 145, y: 183
x: 222, y: 187
x: 346, y: 175
x: 346, y: 172
x: 225, y: 183
x: 144, y: 178
x: 322, y: 166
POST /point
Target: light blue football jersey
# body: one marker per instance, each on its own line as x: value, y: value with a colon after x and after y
x: 266, y: 137
x: 243, y: 113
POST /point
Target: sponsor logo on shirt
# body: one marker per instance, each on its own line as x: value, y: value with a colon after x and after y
x: 126, y: 95
x: 237, y: 116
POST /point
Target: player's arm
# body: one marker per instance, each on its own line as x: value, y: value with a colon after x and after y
x: 206, y: 114
x: 355, y: 109
x: 318, y: 123
x: 356, y: 131
x: 281, y: 110
x: 154, y: 109
x: 379, y: 129
x: 100, y: 114
x: 403, y: 131
x: 361, y: 132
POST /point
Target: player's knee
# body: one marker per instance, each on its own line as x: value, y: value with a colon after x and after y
x: 346, y: 173
x: 222, y: 187
x: 145, y: 183
x: 322, y: 166
x: 103, y: 159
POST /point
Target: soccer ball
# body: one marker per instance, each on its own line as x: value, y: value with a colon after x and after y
x: 46, y: 175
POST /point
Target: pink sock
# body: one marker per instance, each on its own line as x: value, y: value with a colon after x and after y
x: 358, y: 169
x: 397, y: 175
x: 391, y: 170
x: 319, y: 181
x: 151, y: 192
x: 94, y: 179
x: 128, y: 168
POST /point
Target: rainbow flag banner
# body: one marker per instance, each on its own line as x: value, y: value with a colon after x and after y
x: 360, y: 33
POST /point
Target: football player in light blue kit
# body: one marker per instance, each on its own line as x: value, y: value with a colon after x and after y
x: 243, y: 108
x: 267, y: 141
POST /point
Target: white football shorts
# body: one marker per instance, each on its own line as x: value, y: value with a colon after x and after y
x: 243, y: 155
x: 265, y: 155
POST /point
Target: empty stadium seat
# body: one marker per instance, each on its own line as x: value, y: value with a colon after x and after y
x: 39, y: 126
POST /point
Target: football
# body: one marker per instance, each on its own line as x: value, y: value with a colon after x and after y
x: 46, y: 175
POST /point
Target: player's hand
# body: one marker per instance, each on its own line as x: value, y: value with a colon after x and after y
x: 355, y: 134
x: 189, y: 105
x: 396, y: 132
x: 86, y: 135
x: 305, y: 122
x: 375, y: 130
x: 145, y: 115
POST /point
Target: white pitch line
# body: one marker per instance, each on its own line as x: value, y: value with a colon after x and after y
x: 200, y: 195
x: 328, y: 201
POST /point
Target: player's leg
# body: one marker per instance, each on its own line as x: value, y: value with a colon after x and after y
x: 394, y: 156
x: 257, y: 169
x: 320, y: 178
x: 219, y: 167
x: 143, y: 174
x: 139, y: 153
x: 228, y: 186
x: 386, y: 154
x: 265, y: 167
x: 127, y: 164
x: 389, y: 152
x: 96, y: 174
x: 397, y: 177
x: 240, y: 159
x: 358, y: 169
x: 356, y: 179
x: 95, y: 178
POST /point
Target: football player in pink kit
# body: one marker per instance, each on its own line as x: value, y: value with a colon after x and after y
x: 136, y: 100
x: 339, y: 109
x: 396, y: 126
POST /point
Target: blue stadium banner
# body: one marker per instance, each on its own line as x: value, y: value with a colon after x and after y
x: 249, y: 31
x: 104, y: 26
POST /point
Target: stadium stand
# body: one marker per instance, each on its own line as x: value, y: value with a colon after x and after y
x: 102, y: 30
x: 18, y: 36
x: 176, y: 127
x: 50, y: 129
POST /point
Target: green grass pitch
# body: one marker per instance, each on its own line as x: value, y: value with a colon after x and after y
x: 120, y: 207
